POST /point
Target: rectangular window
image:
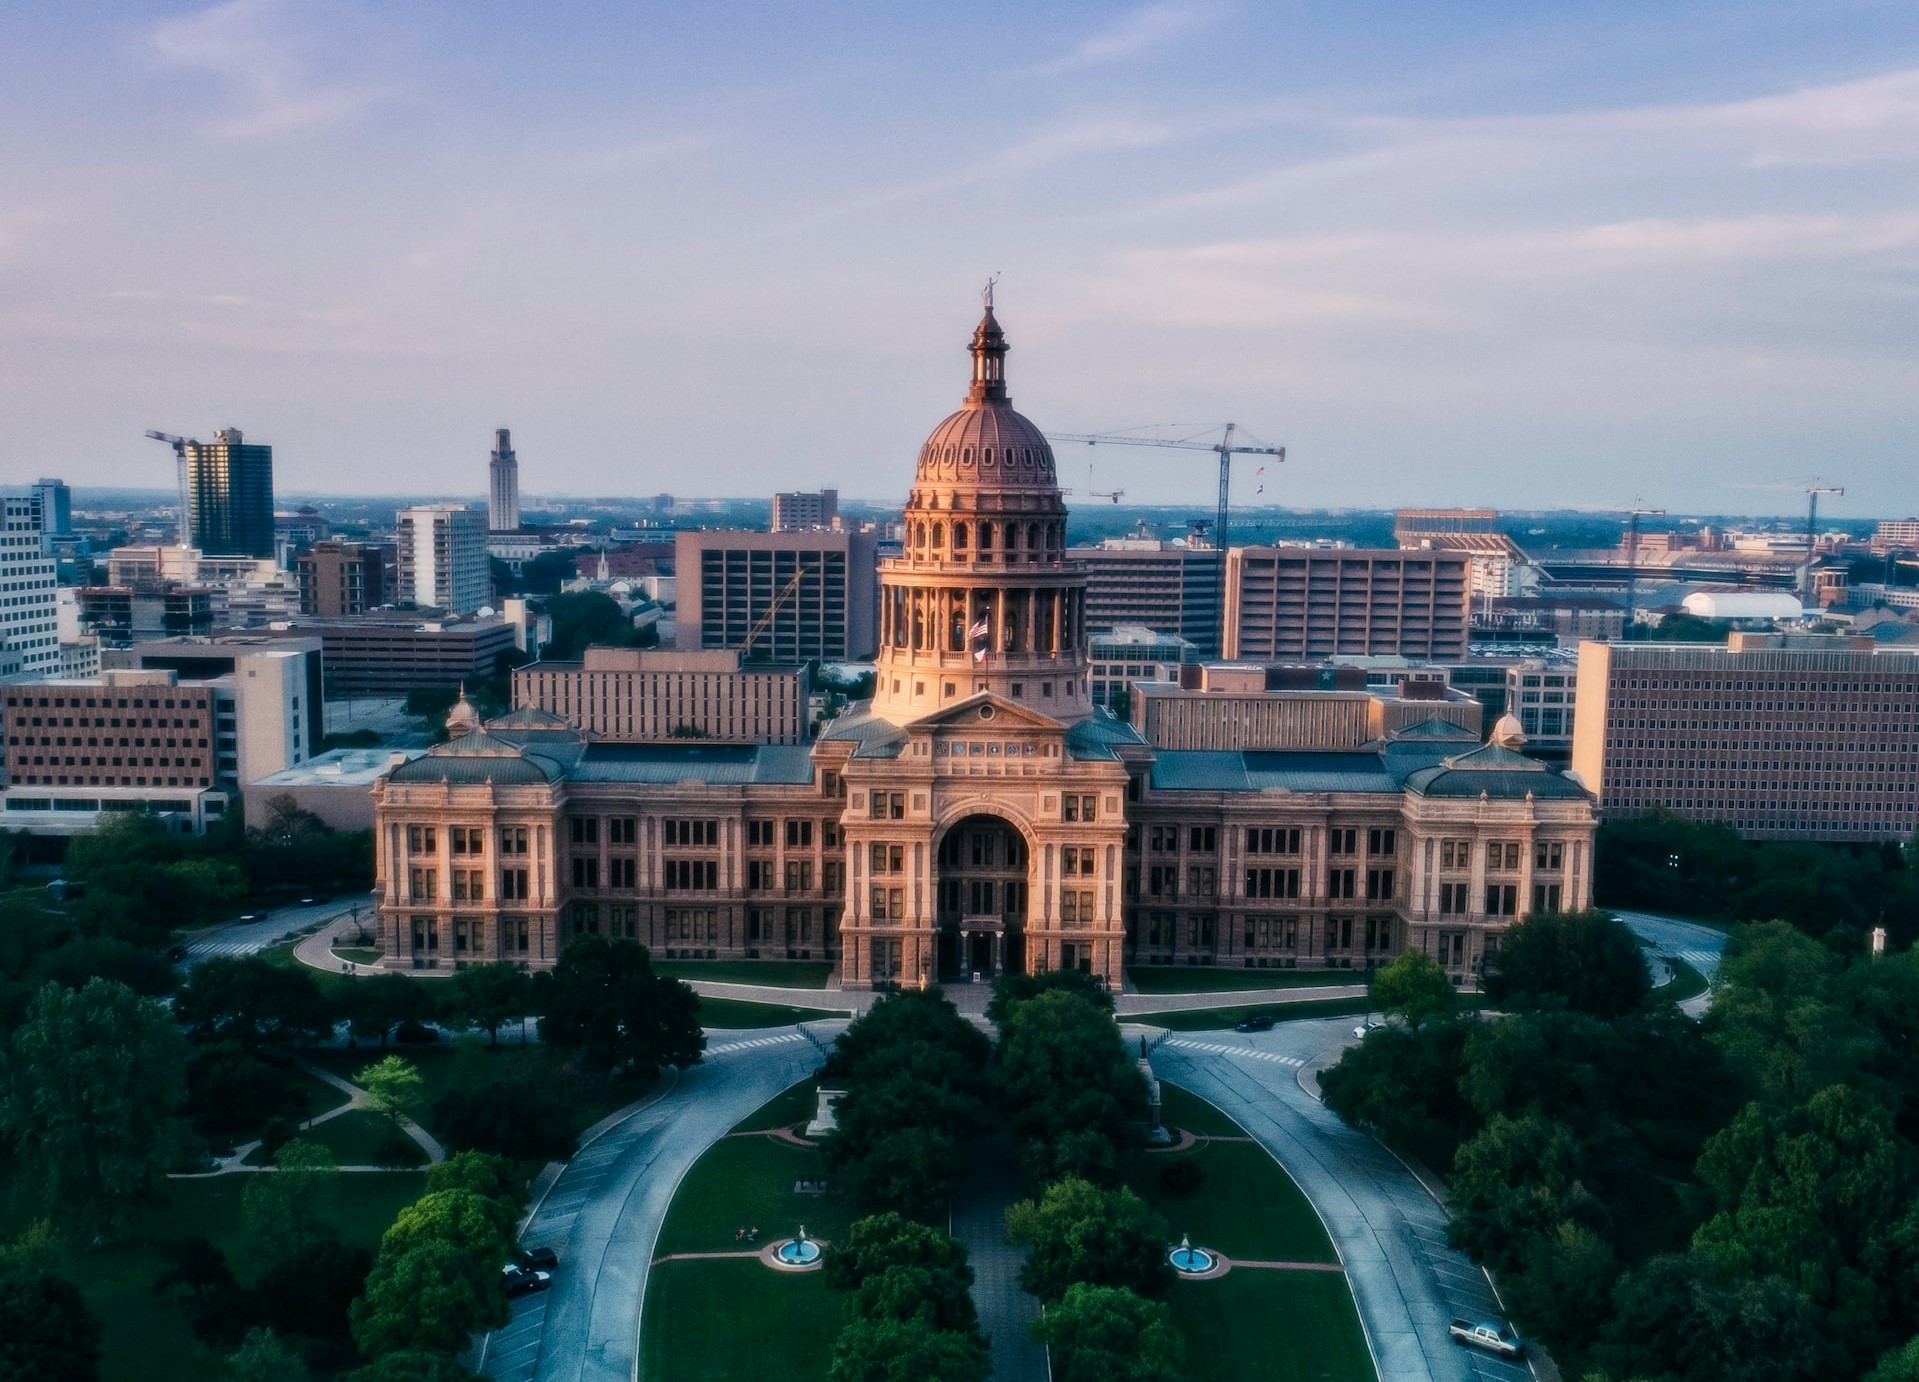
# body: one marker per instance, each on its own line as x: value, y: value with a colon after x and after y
x: 1545, y: 897
x: 1380, y: 842
x: 799, y: 834
x: 586, y: 830
x: 586, y: 873
x: 422, y: 839
x: 1272, y: 840
x: 1548, y: 855
x: 1202, y: 882
x: 889, y: 806
x: 1455, y: 854
x: 1379, y: 885
x: 1452, y: 898
x: 1342, y: 883
x: 799, y: 875
x: 1202, y: 839
x: 690, y: 875
x: 700, y: 834
x: 622, y: 830
x: 512, y: 839
x: 1075, y: 908
x: 622, y: 873
x: 513, y: 885
x: 1281, y: 883
x: 1342, y: 840
x: 1502, y: 900
x: 1076, y: 862
x: 424, y: 885
x: 759, y: 834
x: 466, y: 839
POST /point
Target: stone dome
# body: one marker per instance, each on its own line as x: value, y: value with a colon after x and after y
x: 986, y: 442
x: 1507, y: 732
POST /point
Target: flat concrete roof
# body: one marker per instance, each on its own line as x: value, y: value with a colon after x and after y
x: 339, y: 768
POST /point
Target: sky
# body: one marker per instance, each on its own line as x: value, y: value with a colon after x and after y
x: 1514, y: 254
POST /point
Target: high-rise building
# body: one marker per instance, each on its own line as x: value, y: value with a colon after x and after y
x: 1168, y: 587
x: 339, y: 580
x: 503, y: 491
x: 640, y: 696
x: 56, y: 507
x: 1306, y: 603
x: 30, y: 621
x: 800, y: 510
x: 776, y: 597
x: 443, y: 561
x: 229, y: 495
x: 1781, y: 736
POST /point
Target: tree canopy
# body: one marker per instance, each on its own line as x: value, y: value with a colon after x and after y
x: 1080, y: 1232
x: 1413, y: 986
x: 47, y: 1334
x: 1585, y: 961
x: 603, y: 1000
x: 1110, y: 1334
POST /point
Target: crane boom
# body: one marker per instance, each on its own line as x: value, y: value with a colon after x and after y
x: 179, y: 445
x: 1225, y: 450
x: 1813, y: 491
x: 1632, y: 562
x: 759, y: 626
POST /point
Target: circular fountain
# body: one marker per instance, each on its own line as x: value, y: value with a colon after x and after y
x: 1188, y: 1260
x: 797, y: 1253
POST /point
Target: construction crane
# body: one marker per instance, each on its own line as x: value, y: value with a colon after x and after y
x: 1225, y: 450
x: 1632, y: 561
x: 759, y: 625
x: 1813, y: 491
x: 179, y: 445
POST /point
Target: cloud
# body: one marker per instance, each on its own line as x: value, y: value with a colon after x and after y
x: 1138, y: 32
x: 270, y: 53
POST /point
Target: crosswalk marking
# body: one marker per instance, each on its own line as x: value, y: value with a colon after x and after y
x: 753, y: 1042
x: 1217, y: 1049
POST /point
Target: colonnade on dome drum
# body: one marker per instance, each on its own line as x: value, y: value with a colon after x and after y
x: 1019, y: 620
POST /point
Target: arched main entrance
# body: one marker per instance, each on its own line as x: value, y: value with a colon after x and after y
x: 981, y: 887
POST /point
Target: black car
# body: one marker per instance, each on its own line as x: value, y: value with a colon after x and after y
x: 1258, y: 1022
x: 519, y: 1282
x: 540, y: 1259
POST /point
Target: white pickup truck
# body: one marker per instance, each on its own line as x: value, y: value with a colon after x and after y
x: 1495, y: 1336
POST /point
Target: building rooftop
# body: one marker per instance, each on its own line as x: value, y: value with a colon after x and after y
x: 339, y: 768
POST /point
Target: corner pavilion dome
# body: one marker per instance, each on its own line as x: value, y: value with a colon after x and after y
x: 986, y: 444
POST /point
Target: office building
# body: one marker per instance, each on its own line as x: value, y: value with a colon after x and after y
x: 776, y: 597
x: 1896, y: 535
x: 1542, y: 693
x: 503, y: 485
x: 1290, y: 604
x: 981, y: 814
x: 1168, y: 587
x: 442, y: 557
x: 1494, y: 559
x: 336, y: 786
x: 389, y: 653
x: 274, y: 681
x: 341, y: 580
x: 799, y: 511
x: 1222, y: 707
x: 1781, y: 736
x: 1133, y: 652
x: 55, y: 502
x: 636, y: 696
x: 29, y: 621
x: 116, y: 615
x: 228, y: 489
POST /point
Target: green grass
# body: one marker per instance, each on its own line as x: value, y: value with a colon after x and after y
x: 145, y: 1340
x: 1214, y: 1019
x: 1253, y: 1322
x: 737, y: 1322
x: 1179, y: 979
x: 736, y: 1319
x: 358, y: 954
x: 1687, y: 982
x: 1275, y: 1326
x: 782, y: 974
x: 730, y: 1014
x: 358, y: 1138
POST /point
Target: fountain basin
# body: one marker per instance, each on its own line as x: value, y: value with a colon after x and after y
x: 1191, y: 1261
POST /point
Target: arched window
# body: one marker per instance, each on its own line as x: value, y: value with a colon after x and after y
x: 986, y: 537
x: 986, y: 456
x: 1012, y: 536
x: 939, y: 534
x: 1032, y: 536
x: 959, y: 537
x: 919, y: 534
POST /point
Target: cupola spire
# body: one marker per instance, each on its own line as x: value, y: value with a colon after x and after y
x: 989, y: 355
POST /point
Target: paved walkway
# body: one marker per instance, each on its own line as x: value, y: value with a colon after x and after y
x: 356, y: 1098
x: 979, y: 1221
x: 1389, y: 1232
x: 602, y: 1215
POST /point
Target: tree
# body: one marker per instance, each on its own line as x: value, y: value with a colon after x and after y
x: 1077, y: 1231
x: 583, y: 618
x: 896, y: 1268
x: 311, y: 1292
x: 379, y: 1004
x: 1414, y: 987
x: 522, y: 1114
x: 1676, y: 1320
x: 489, y: 1177
x: 91, y: 1090
x: 291, y: 1209
x: 412, y: 1365
x: 1588, y: 962
x: 1109, y: 1334
x: 1014, y: 987
x: 486, y: 996
x: 1773, y: 1014
x: 479, y: 1226
x: 262, y: 1357
x: 1899, y: 1364
x: 230, y: 1091
x: 47, y: 1334
x: 394, y: 1089
x: 1405, y: 1084
x: 427, y: 1297
x: 1068, y: 1085
x: 252, y: 1002
x: 603, y: 1000
x: 1514, y: 1181
x: 906, y: 1351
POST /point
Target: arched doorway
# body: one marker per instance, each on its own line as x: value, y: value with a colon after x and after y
x: 981, y: 889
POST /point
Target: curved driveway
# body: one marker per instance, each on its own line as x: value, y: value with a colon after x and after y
x: 1699, y: 946
x: 1390, y: 1232
x: 603, y: 1214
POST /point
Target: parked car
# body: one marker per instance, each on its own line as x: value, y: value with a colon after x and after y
x: 1258, y: 1022
x: 1495, y: 1336
x: 540, y: 1259
x: 520, y: 1282
x: 176, y: 953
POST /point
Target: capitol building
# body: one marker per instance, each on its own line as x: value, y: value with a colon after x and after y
x: 980, y: 814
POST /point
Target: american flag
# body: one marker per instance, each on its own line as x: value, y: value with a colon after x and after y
x: 979, y: 630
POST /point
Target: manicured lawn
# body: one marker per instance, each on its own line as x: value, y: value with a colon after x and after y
x: 1274, y: 1326
x: 145, y: 1340
x: 736, y: 1321
x: 1252, y: 1322
x: 729, y: 1014
x: 734, y: 1318
x: 1178, y: 979
x: 358, y: 1139
x: 358, y: 954
x: 783, y: 974
x: 1213, y: 1019
x: 1687, y: 982
x: 747, y: 1182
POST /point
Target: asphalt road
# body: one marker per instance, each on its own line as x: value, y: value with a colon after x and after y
x: 1699, y: 946
x: 603, y: 1215
x: 273, y: 928
x: 1390, y: 1233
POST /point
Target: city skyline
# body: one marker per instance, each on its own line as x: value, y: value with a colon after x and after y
x: 1581, y: 257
